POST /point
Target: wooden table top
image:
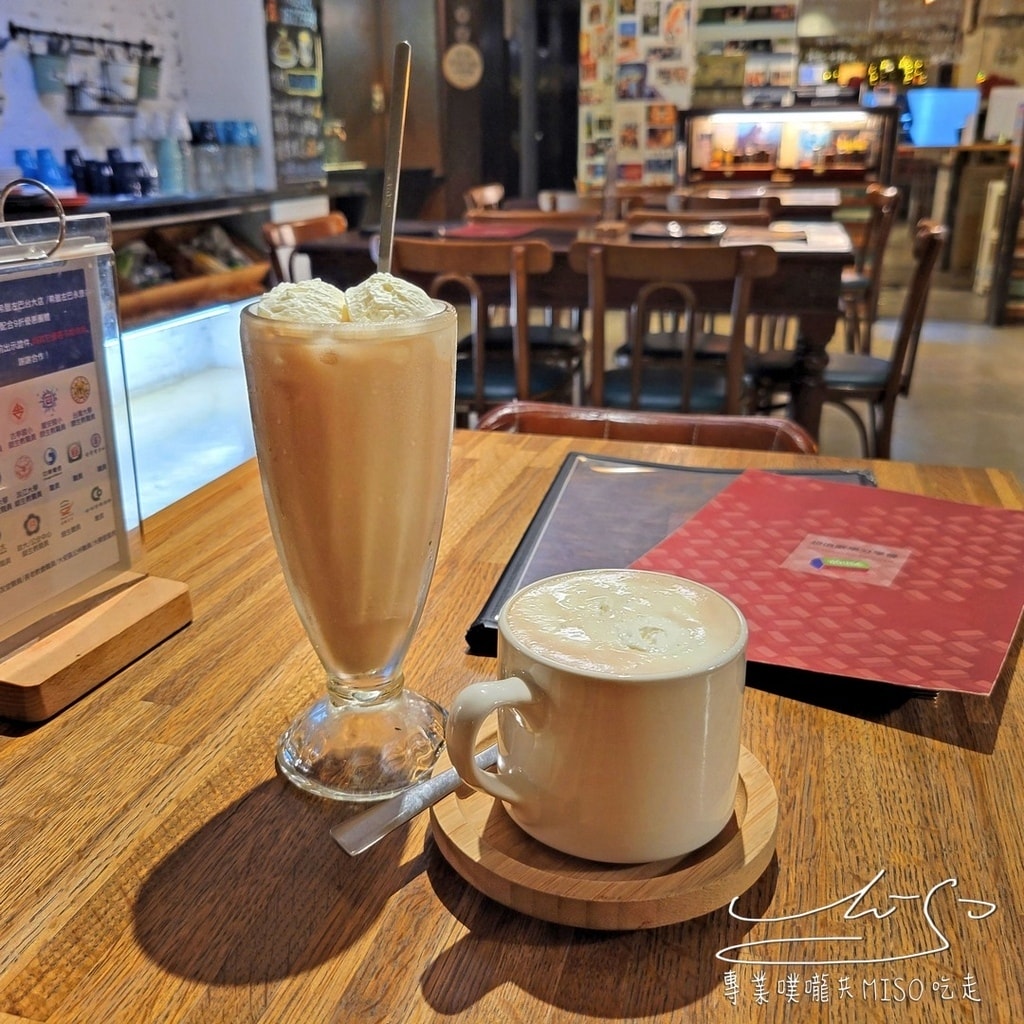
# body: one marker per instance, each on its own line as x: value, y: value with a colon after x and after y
x: 156, y: 868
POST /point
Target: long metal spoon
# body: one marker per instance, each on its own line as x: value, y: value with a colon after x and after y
x: 361, y: 832
x: 393, y: 153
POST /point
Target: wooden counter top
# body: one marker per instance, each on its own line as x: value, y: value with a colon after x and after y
x: 156, y: 868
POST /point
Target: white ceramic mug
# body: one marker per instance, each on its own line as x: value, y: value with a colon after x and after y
x: 619, y: 715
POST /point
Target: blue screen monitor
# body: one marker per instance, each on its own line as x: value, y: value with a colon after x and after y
x: 937, y: 116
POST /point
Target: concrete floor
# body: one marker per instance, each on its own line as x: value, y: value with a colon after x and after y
x: 190, y: 423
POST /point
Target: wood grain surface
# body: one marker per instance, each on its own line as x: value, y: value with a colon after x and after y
x: 156, y: 868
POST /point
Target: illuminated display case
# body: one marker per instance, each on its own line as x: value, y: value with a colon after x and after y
x: 791, y: 144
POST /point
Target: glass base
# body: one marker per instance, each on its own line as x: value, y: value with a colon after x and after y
x: 351, y: 751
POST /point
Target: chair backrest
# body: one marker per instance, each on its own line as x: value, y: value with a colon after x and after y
x: 721, y: 199
x: 485, y: 197
x: 633, y: 196
x: 760, y: 433
x: 646, y: 277
x: 874, y: 211
x: 282, y: 237
x: 929, y: 238
x: 750, y: 218
x: 549, y: 220
x: 454, y: 267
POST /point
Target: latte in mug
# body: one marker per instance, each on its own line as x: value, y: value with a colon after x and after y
x: 618, y: 715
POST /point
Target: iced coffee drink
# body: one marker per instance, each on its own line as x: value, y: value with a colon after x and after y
x: 352, y: 399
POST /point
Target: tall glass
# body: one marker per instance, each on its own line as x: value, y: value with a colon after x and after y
x: 353, y: 428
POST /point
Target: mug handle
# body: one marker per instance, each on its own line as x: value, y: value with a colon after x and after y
x: 465, y: 719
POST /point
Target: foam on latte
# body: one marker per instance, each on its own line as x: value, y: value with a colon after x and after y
x: 624, y: 622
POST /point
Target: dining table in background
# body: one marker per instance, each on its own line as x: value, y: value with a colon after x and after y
x: 799, y: 202
x: 156, y: 867
x: 796, y: 202
x: 806, y: 285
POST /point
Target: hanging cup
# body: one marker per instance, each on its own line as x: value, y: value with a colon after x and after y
x: 49, y: 71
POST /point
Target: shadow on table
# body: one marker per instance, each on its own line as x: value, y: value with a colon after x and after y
x: 241, y: 899
x: 613, y: 974
x: 963, y: 720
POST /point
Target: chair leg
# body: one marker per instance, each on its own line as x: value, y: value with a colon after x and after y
x: 882, y: 421
x: 851, y: 326
x: 865, y: 340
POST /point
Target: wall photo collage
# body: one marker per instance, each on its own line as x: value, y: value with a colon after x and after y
x: 636, y: 68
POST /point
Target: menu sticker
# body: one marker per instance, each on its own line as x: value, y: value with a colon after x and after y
x: 59, y: 518
x: 854, y: 560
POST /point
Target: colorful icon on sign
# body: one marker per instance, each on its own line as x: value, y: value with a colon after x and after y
x: 97, y: 493
x: 96, y: 440
x: 23, y: 467
x: 18, y: 410
x: 74, y: 451
x: 66, y: 509
x: 32, y: 524
x: 48, y: 399
x: 50, y: 456
x: 80, y: 390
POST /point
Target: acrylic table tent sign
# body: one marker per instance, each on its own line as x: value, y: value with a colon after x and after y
x: 75, y: 602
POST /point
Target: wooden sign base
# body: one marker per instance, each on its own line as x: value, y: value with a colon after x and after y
x: 46, y: 675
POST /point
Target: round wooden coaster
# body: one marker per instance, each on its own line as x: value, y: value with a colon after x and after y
x: 483, y: 844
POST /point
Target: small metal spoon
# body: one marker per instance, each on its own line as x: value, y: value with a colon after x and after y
x: 361, y: 832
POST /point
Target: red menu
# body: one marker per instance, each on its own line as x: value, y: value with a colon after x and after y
x: 858, y: 581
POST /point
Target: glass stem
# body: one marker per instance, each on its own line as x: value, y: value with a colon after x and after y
x: 370, y: 692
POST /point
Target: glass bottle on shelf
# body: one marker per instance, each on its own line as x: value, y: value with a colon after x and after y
x: 239, y: 157
x: 169, y: 160
x: 179, y: 129
x: 209, y: 158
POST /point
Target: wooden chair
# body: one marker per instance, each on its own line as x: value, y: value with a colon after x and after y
x: 561, y: 329
x: 760, y: 433
x: 487, y: 374
x: 652, y: 196
x: 485, y: 197
x: 862, y: 282
x: 535, y: 219
x: 282, y: 237
x: 661, y: 343
x: 719, y: 205
x: 854, y: 376
x: 721, y: 199
x: 648, y: 277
